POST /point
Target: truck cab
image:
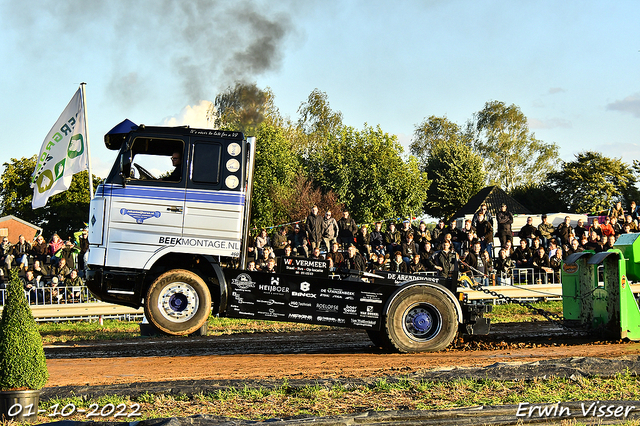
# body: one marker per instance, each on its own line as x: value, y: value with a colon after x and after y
x: 175, y: 198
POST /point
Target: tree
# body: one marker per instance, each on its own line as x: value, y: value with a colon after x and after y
x: 367, y: 171
x: 433, y: 132
x: 512, y: 155
x: 317, y: 122
x: 243, y: 108
x: 276, y: 168
x: 593, y: 182
x: 456, y: 175
x: 64, y: 213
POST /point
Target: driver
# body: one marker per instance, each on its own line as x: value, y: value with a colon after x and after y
x: 176, y: 174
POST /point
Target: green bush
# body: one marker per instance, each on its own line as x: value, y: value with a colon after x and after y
x: 22, y: 361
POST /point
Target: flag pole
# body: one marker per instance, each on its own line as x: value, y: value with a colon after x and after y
x: 86, y: 128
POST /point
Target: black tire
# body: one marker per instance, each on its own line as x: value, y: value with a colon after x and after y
x: 421, y: 319
x: 178, y: 302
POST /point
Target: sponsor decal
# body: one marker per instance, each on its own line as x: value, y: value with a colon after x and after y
x: 325, y: 307
x: 199, y: 242
x: 362, y: 322
x: 350, y: 310
x: 296, y: 304
x: 240, y: 300
x: 371, y: 297
x: 369, y: 313
x: 243, y: 282
x: 271, y: 313
x: 268, y: 288
x: 570, y: 268
x: 301, y: 294
x: 270, y: 302
x: 251, y: 314
x: 140, y: 215
x: 331, y: 319
x: 339, y: 291
x: 300, y: 317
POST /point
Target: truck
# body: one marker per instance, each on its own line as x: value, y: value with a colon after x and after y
x: 176, y: 243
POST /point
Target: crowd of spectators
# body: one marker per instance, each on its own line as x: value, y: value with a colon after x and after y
x: 51, y: 272
x: 409, y: 248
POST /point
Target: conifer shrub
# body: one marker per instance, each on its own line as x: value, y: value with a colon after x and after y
x: 22, y: 362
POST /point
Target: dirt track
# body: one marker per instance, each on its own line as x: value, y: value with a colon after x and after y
x: 340, y: 353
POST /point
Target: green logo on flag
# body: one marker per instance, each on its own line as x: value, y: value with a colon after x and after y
x: 76, y: 146
x: 45, y: 181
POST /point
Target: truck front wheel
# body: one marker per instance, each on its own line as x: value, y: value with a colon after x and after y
x: 421, y: 319
x: 178, y: 302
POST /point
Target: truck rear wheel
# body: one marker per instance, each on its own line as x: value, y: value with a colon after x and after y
x: 178, y: 302
x: 421, y: 319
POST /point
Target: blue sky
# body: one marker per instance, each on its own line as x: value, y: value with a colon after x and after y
x: 573, y: 67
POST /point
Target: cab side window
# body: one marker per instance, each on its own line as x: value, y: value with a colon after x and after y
x: 154, y: 159
x: 206, y: 163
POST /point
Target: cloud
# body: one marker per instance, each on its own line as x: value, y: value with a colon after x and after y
x: 630, y: 104
x: 554, y: 90
x: 550, y: 123
x: 191, y: 115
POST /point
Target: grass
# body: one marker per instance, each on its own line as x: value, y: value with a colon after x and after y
x: 78, y: 331
x: 314, y: 400
x: 518, y: 313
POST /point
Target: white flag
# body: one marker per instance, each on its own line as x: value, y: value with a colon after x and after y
x: 63, y: 153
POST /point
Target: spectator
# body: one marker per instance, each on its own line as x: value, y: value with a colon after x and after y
x: 427, y: 256
x: 580, y: 230
x: 466, y: 245
x: 484, y: 229
x: 61, y: 270
x: 279, y: 241
x: 54, y: 246
x: 39, y: 270
x: 631, y: 223
x: 618, y: 212
x: 298, y: 242
x: 363, y: 240
x: 271, y: 266
x: 503, y: 266
x: 73, y: 284
x: 397, y: 264
x: 262, y: 241
x: 595, y: 226
x: 20, y: 252
x: 487, y: 215
x: 329, y: 230
x: 446, y: 259
x: 83, y: 244
x: 380, y: 264
x: 505, y: 219
x: 5, y: 253
x: 617, y: 229
x: 522, y: 254
x: 564, y: 232
x: 313, y: 228
x: 555, y: 263
x: 633, y: 211
x: 354, y: 260
x: 53, y: 293
x: 545, y: 229
x: 438, y: 234
x: 508, y: 246
x: 405, y: 230
x: 288, y: 251
x: 377, y: 239
x: 68, y: 253
x: 315, y: 254
x: 454, y: 234
x: 347, y: 229
x: 409, y: 248
x: 415, y: 267
x: 422, y: 234
x: 31, y: 288
x: 392, y: 239
x: 574, y: 248
x: 540, y: 264
x: 606, y: 228
x: 594, y: 243
x: 335, y: 254
x: 40, y: 249
x: 467, y: 228
x: 553, y: 246
x: 528, y: 231
x: 611, y: 240
x: 252, y: 266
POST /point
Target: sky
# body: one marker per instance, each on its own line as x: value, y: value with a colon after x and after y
x: 573, y: 67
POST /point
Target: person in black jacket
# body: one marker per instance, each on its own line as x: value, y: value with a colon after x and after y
x: 446, y: 259
x: 354, y: 259
x: 397, y: 264
x: 313, y: 227
x: 347, y: 229
x: 505, y: 219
